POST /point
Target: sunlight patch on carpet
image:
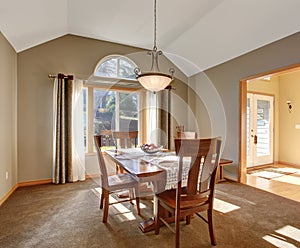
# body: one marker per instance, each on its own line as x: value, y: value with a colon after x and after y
x: 286, y: 237
x: 234, y: 197
x: 97, y: 192
x: 224, y: 207
x: 290, y: 231
x: 124, y: 213
x: 122, y: 209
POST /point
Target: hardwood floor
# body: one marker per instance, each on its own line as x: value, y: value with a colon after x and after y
x: 286, y: 184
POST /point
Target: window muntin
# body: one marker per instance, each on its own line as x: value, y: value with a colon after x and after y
x: 112, y: 110
x: 128, y: 111
x: 104, y: 110
x: 116, y: 66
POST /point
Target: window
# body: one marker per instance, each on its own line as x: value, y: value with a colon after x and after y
x: 115, y: 110
x: 107, y: 108
x: 115, y: 66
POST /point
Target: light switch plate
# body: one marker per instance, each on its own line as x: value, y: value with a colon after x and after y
x: 297, y: 126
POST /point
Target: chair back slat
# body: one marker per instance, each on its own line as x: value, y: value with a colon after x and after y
x: 125, y: 139
x: 186, y: 135
x: 119, y: 139
x: 204, y: 157
x: 102, y: 165
x: 106, y: 138
x: 201, y: 157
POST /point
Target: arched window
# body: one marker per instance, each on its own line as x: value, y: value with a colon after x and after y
x: 114, y: 97
x: 115, y: 66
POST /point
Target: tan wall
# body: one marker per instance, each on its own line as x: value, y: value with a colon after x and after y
x: 8, y: 116
x: 76, y: 55
x: 69, y: 55
x: 270, y: 88
x: 289, y: 135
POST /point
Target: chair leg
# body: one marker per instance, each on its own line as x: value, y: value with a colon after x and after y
x: 157, y: 215
x: 137, y: 198
x: 106, y: 205
x: 177, y: 226
x: 102, y: 199
x: 188, y: 219
x: 131, y: 195
x: 210, y: 226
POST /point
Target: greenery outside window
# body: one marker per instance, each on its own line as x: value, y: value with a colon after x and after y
x: 111, y: 108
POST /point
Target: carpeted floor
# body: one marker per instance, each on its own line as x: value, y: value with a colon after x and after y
x: 69, y: 216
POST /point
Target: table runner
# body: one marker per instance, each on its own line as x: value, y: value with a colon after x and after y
x: 165, y: 160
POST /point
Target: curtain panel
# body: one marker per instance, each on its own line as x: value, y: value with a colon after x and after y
x: 67, y: 161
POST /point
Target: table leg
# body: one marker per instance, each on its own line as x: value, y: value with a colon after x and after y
x: 158, y: 185
x: 148, y: 225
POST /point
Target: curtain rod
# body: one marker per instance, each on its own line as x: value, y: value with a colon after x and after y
x: 51, y: 76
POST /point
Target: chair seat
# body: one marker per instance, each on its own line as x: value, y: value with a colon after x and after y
x: 114, y: 183
x: 197, y: 196
x: 120, y: 181
x: 169, y: 198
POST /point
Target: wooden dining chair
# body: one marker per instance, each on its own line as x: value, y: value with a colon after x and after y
x: 124, y: 139
x: 114, y: 183
x: 198, y: 193
x: 186, y: 135
x: 106, y: 138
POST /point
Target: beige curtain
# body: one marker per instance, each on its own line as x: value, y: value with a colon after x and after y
x: 158, y: 117
x: 63, y: 90
x: 164, y: 118
x: 152, y: 117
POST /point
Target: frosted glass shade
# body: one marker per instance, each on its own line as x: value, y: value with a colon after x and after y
x: 154, y: 81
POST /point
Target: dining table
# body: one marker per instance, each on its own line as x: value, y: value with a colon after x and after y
x: 159, y: 170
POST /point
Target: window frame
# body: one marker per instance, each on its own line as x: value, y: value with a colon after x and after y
x: 118, y: 58
x: 133, y: 86
x: 90, y: 113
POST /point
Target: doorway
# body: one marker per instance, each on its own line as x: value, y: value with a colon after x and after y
x: 260, y: 129
x: 284, y: 98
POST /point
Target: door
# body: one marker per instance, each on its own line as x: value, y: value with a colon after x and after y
x: 259, y: 129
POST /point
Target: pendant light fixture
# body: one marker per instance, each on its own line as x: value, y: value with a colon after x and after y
x: 154, y: 80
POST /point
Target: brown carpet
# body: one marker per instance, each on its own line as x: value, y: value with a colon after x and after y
x: 69, y: 216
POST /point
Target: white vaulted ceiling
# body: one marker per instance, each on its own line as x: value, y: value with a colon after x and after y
x: 194, y: 34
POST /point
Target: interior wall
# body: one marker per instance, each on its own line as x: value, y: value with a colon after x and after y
x: 198, y: 117
x: 77, y: 55
x: 226, y: 79
x: 272, y: 88
x: 8, y: 117
x: 69, y: 55
x: 289, y: 135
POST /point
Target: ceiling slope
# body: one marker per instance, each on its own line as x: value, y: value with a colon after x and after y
x: 194, y: 34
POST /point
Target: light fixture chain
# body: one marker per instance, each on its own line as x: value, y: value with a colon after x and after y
x: 154, y: 80
x: 155, y: 47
